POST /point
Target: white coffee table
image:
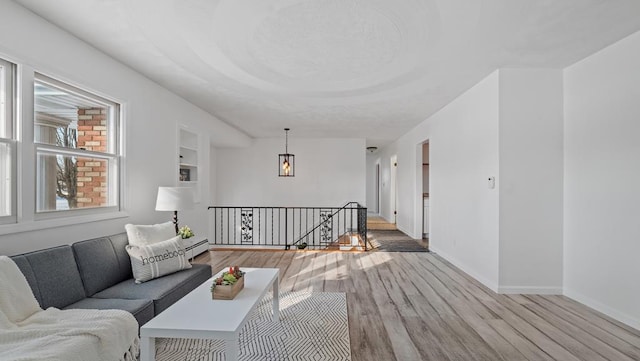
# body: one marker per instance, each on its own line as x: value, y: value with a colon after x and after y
x: 196, y: 315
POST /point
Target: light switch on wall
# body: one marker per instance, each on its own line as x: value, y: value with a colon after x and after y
x: 492, y: 182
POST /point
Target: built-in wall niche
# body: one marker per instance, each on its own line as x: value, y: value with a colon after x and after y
x: 188, y: 158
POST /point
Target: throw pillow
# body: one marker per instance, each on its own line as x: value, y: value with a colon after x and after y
x: 144, y: 235
x: 158, y: 259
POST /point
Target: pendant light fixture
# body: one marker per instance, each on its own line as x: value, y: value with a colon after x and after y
x: 286, y: 161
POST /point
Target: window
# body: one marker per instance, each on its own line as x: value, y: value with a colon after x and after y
x: 7, y: 143
x: 77, y: 152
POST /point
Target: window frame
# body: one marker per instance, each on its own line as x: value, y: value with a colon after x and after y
x: 113, y: 153
x: 8, y: 86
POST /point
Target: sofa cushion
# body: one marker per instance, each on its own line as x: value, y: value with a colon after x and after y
x: 142, y: 310
x: 56, y: 276
x: 98, y: 264
x: 27, y: 271
x: 158, y: 259
x: 164, y: 290
x: 120, y: 242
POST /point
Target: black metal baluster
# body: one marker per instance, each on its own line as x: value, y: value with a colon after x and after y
x: 286, y: 227
x: 280, y: 225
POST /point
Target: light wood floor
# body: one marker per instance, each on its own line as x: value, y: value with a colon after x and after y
x: 417, y: 306
x: 379, y: 223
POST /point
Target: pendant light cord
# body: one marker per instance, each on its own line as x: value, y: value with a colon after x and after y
x: 286, y: 140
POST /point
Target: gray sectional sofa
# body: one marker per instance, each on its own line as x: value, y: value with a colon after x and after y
x: 96, y: 274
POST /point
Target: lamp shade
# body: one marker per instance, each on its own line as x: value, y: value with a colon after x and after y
x: 174, y: 199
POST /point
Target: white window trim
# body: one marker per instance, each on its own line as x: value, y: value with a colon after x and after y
x: 24, y: 216
x: 35, y: 225
x: 10, y: 82
x: 114, y: 152
x: 11, y: 219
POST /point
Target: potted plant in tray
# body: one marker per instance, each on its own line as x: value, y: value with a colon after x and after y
x: 228, y: 285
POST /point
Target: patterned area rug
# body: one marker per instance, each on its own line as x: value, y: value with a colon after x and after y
x: 394, y: 241
x: 313, y: 326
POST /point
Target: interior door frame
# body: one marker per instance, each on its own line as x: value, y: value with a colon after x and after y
x: 378, y: 188
x: 419, y: 200
x: 393, y: 188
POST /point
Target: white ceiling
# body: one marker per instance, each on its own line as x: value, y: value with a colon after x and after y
x: 336, y: 68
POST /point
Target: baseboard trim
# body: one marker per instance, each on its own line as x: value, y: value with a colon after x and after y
x: 600, y: 307
x: 491, y: 285
x: 525, y: 290
x: 407, y: 233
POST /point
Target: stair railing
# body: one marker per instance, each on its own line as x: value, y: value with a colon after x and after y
x: 301, y: 227
x: 325, y: 226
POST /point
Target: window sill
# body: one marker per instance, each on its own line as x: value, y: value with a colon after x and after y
x: 59, y: 222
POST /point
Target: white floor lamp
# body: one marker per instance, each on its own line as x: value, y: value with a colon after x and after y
x: 174, y: 199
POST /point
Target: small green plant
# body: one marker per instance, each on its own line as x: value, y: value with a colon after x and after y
x: 185, y: 232
x: 302, y: 245
x: 228, y: 278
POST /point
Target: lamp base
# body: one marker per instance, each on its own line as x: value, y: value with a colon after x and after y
x: 175, y: 221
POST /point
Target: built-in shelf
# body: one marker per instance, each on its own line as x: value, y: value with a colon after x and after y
x: 189, y: 148
x: 188, y: 158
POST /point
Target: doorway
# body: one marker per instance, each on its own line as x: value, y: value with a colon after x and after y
x: 393, y: 189
x: 425, y: 190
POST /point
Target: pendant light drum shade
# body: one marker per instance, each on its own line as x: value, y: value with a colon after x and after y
x: 286, y: 161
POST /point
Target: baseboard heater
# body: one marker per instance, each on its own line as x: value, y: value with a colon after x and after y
x: 194, y: 247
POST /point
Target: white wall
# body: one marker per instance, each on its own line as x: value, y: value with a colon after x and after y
x: 150, y: 121
x: 328, y: 173
x: 213, y: 174
x: 602, y: 181
x: 463, y: 146
x: 530, y: 180
x: 507, y: 126
x: 567, y: 218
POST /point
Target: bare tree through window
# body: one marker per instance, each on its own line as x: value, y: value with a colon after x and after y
x: 67, y: 167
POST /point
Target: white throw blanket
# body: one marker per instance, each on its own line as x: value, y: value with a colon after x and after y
x: 29, y: 333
